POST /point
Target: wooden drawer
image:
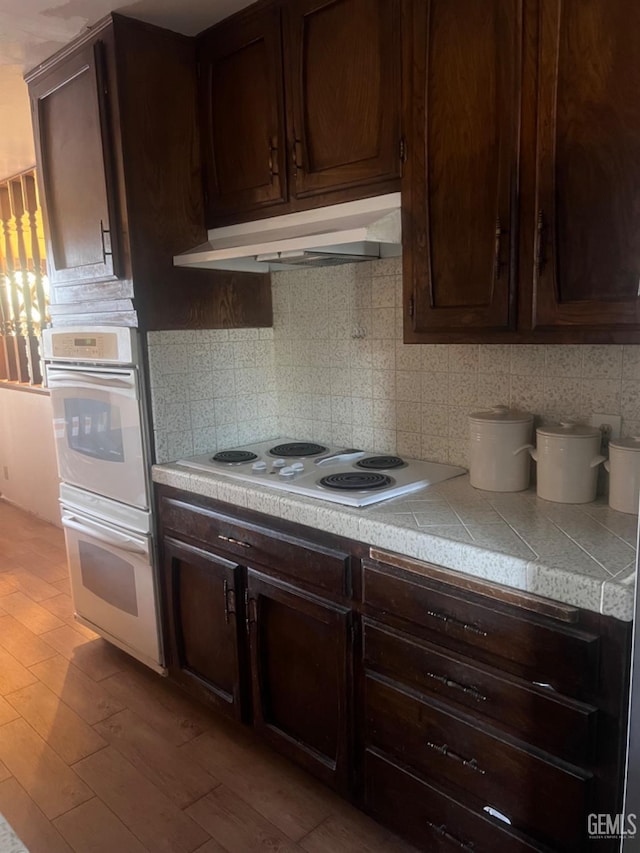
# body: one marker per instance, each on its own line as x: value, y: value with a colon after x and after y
x: 559, y: 725
x: 540, y: 797
x: 429, y: 818
x: 537, y: 648
x: 251, y: 544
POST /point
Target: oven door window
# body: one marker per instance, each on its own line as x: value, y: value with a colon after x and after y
x: 94, y: 428
x: 108, y: 576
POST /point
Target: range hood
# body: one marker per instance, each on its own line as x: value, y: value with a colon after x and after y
x: 362, y: 230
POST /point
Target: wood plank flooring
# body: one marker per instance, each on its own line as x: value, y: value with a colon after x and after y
x: 99, y: 754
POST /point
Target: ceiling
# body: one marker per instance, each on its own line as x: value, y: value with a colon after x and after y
x: 31, y: 30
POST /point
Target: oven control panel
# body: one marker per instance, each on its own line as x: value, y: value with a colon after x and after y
x: 99, y: 344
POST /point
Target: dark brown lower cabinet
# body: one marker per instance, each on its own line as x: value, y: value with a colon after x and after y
x: 461, y: 714
x: 301, y: 679
x: 201, y: 591
x: 428, y: 817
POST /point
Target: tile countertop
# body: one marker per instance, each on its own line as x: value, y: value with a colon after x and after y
x: 582, y: 555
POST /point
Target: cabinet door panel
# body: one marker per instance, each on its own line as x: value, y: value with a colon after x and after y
x: 243, y: 114
x: 461, y: 177
x: 588, y: 165
x: 73, y: 144
x: 203, y: 631
x: 344, y: 86
x: 300, y: 672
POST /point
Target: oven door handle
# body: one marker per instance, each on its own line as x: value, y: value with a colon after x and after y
x: 102, y: 534
x: 67, y: 379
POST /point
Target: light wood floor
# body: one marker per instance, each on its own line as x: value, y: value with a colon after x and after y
x: 100, y: 755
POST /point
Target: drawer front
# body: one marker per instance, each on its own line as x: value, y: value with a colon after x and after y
x: 537, y: 796
x: 530, y: 646
x: 559, y: 725
x: 428, y: 817
x: 250, y: 544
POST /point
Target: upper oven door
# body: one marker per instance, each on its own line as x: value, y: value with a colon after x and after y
x: 99, y: 431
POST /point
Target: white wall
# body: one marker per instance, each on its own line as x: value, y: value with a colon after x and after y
x: 27, y: 452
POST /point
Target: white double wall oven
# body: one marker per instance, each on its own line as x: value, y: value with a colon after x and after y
x: 101, y: 438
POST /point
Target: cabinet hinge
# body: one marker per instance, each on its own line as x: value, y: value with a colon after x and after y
x: 411, y: 306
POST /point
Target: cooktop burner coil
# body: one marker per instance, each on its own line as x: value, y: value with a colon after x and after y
x: 233, y: 457
x: 380, y: 463
x: 350, y: 480
x: 297, y: 448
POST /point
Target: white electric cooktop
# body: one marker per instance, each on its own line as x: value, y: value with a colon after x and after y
x: 348, y: 476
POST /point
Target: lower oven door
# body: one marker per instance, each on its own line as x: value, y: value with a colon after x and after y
x: 99, y: 431
x: 113, y: 584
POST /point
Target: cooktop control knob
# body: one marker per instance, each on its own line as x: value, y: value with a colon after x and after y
x: 279, y: 463
x: 259, y: 466
x: 297, y: 466
x: 288, y: 471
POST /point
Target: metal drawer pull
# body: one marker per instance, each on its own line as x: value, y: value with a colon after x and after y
x: 495, y: 813
x: 443, y: 749
x: 233, y: 541
x: 466, y: 626
x: 443, y: 832
x: 447, y: 682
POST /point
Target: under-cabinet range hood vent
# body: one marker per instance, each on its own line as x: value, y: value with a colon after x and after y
x: 363, y: 230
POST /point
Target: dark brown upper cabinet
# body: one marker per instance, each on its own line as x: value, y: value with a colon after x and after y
x: 343, y: 92
x: 119, y: 165
x: 300, y: 105
x: 521, y: 190
x: 587, y: 265
x: 460, y: 183
x: 243, y: 114
x: 77, y: 176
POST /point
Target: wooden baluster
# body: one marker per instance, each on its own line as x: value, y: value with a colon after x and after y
x: 31, y: 204
x: 33, y: 350
x: 15, y: 338
x: 8, y: 368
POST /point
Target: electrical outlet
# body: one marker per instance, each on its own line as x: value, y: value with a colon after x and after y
x: 608, y: 424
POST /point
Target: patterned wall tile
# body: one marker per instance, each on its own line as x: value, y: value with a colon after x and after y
x: 334, y: 368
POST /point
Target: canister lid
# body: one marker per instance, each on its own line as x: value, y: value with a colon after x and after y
x: 569, y: 428
x: 502, y: 414
x: 632, y: 443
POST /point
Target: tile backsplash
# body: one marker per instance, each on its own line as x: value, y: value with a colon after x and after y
x: 211, y: 389
x: 334, y: 369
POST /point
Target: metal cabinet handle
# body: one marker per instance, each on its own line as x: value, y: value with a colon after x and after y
x: 443, y: 832
x: 443, y: 749
x: 466, y: 626
x: 250, y: 611
x: 273, y: 157
x: 105, y: 231
x: 497, y: 263
x: 233, y: 541
x: 229, y: 601
x: 540, y: 240
x: 297, y: 153
x: 448, y: 682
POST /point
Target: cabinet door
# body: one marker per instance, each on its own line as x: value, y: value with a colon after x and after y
x: 201, y: 592
x: 462, y: 111
x: 243, y: 114
x: 75, y: 169
x: 587, y: 266
x: 343, y: 86
x: 300, y: 652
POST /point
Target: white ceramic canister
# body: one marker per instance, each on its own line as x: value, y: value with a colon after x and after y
x: 568, y: 456
x: 624, y: 466
x: 499, y: 439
